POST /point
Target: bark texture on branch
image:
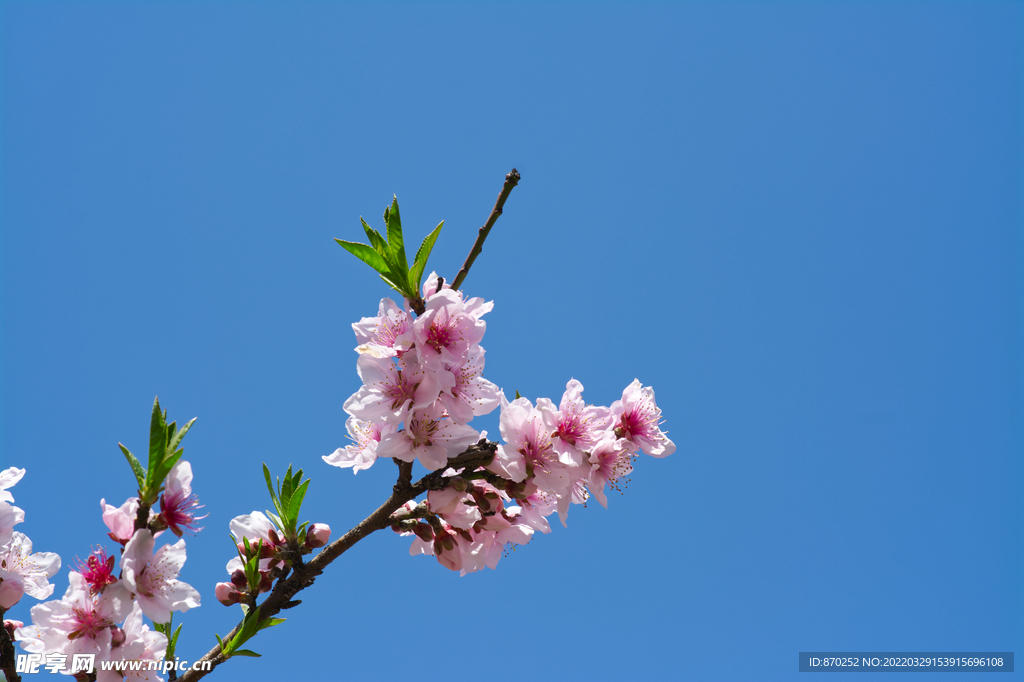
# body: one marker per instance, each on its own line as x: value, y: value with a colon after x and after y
x: 511, y: 180
x: 303, y: 574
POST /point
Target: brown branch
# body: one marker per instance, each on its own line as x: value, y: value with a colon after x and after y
x: 511, y: 180
x: 7, y: 657
x: 303, y: 575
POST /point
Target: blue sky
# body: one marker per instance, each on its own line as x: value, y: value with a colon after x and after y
x: 801, y: 223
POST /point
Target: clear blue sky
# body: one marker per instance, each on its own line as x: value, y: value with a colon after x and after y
x: 801, y: 223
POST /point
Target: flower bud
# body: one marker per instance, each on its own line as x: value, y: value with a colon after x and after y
x: 424, y: 532
x: 266, y: 582
x: 11, y: 626
x: 117, y: 636
x: 318, y: 535
x: 227, y: 594
x: 274, y: 537
x: 459, y: 483
x: 239, y: 580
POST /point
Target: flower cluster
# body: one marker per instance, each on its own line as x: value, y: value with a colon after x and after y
x: 252, y: 531
x: 101, y: 613
x: 422, y: 384
x: 21, y: 571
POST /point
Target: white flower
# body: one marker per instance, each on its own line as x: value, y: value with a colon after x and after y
x: 153, y: 578
x: 21, y: 571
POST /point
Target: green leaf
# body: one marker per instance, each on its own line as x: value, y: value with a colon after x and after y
x: 296, y: 502
x: 270, y: 487
x: 219, y: 641
x: 395, y: 241
x: 176, y: 439
x: 378, y: 243
x: 270, y: 622
x: 173, y: 643
x: 422, y: 254
x: 518, y: 396
x: 246, y: 652
x: 165, y: 468
x: 366, y: 254
x: 140, y: 473
x: 392, y: 285
x: 157, y: 445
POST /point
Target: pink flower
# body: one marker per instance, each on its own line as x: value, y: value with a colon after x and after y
x: 637, y: 419
x: 255, y: 527
x: 178, y: 505
x: 390, y: 390
x: 22, y: 572
x: 451, y: 505
x: 524, y: 429
x: 610, y: 461
x: 448, y: 328
x: 363, y: 452
x: 139, y: 644
x: 153, y: 578
x: 98, y: 570
x: 10, y: 516
x: 576, y: 426
x: 79, y: 623
x: 8, y: 477
x: 472, y: 395
x: 387, y: 335
x: 121, y: 520
x: 428, y: 436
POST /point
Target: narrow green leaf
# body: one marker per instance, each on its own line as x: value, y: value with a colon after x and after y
x: 376, y: 241
x: 246, y: 652
x: 140, y: 473
x: 180, y: 434
x: 367, y: 255
x: 270, y: 487
x: 219, y: 641
x: 422, y: 254
x: 157, y: 443
x: 286, y: 488
x: 395, y: 241
x: 392, y: 285
x: 173, y: 643
x: 164, y: 469
x: 518, y: 396
x: 271, y: 622
x: 296, y: 501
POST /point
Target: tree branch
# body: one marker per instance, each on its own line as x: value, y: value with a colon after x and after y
x: 7, y: 657
x: 303, y: 575
x: 511, y: 180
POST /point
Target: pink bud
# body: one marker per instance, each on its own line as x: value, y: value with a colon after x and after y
x: 239, y: 580
x: 10, y: 593
x: 318, y: 535
x: 117, y: 636
x: 11, y: 626
x: 227, y: 594
x: 266, y: 582
x: 424, y: 532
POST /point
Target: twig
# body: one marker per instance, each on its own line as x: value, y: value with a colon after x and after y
x: 7, y: 662
x: 511, y: 180
x: 303, y: 575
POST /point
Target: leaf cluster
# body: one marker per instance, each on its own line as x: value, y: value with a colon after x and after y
x: 164, y: 453
x: 287, y: 501
x: 251, y: 624
x: 387, y: 256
